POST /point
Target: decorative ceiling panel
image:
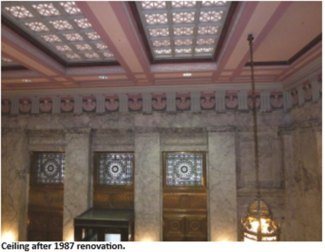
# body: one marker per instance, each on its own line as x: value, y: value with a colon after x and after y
x: 61, y: 27
x: 182, y: 29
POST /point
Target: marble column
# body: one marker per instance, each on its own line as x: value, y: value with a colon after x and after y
x: 76, y: 179
x: 147, y: 187
x: 222, y: 191
x: 14, y: 184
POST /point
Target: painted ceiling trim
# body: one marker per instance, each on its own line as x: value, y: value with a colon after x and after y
x: 145, y: 89
x: 295, y: 57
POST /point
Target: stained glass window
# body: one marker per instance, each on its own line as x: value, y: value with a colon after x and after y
x: 115, y: 168
x: 49, y: 168
x: 184, y: 169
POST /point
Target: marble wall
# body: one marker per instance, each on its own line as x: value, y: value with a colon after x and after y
x: 77, y: 178
x: 222, y: 186
x: 147, y: 187
x: 290, y: 164
x: 307, y: 186
x: 14, y: 183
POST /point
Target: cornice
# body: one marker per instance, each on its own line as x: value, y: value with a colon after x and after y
x: 19, y: 73
x: 145, y: 89
x: 161, y: 68
x: 95, y: 70
x: 305, y: 73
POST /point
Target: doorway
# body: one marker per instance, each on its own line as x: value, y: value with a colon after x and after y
x: 184, y: 196
x: 45, y: 204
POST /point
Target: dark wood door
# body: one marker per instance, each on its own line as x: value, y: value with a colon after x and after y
x: 113, y: 189
x: 113, y: 180
x: 45, y: 204
x: 184, y: 196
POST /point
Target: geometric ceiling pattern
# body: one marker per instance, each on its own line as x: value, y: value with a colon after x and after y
x: 157, y: 46
x: 61, y: 27
x: 183, y: 29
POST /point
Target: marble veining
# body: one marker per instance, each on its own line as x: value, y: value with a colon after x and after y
x: 222, y: 187
x: 147, y: 191
x: 290, y: 161
x: 76, y: 180
x: 14, y: 183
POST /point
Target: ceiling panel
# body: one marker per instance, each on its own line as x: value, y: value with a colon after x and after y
x: 183, y: 29
x: 300, y: 24
x: 61, y: 27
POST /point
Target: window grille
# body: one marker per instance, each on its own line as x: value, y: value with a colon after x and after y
x: 184, y: 169
x: 115, y: 168
x: 49, y: 168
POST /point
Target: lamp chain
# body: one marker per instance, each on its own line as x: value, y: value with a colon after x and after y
x: 250, y: 39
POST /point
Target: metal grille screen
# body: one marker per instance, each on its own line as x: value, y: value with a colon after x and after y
x: 115, y: 168
x: 184, y: 169
x: 49, y: 168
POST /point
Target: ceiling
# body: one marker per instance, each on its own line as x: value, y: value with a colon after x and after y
x: 89, y: 45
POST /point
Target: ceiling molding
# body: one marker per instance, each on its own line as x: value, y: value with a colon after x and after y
x: 95, y: 70
x: 28, y: 47
x: 225, y: 30
x: 304, y: 50
x: 133, y: 24
x: 145, y: 89
x: 305, y: 73
x: 183, y: 68
x: 13, y: 68
x: 20, y: 73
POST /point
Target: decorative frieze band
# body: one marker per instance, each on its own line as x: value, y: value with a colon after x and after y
x: 170, y: 102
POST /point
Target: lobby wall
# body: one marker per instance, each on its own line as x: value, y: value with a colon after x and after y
x: 290, y: 164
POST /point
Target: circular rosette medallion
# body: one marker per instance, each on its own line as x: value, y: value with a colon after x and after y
x: 184, y: 169
x: 114, y: 169
x: 51, y: 169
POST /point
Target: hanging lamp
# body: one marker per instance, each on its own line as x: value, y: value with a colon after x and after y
x: 258, y: 224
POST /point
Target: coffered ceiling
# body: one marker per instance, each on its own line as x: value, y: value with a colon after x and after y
x: 59, y: 27
x: 167, y: 44
x: 182, y: 29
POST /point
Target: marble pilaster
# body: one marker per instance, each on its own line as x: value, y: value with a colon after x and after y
x: 290, y: 192
x: 56, y: 104
x: 222, y: 192
x: 14, y: 183
x: 307, y: 186
x: 76, y: 179
x: 147, y: 187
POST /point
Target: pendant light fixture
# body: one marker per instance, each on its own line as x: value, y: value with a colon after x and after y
x: 258, y: 224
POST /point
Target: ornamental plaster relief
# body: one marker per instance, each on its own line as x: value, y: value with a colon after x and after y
x: 277, y: 101
x: 250, y: 101
x: 111, y: 104
x: 231, y: 101
x: 220, y: 101
x: 207, y: 101
x: 159, y: 102
x: 67, y: 105
x: 5, y: 106
x: 25, y: 105
x: 89, y: 104
x: 45, y: 105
